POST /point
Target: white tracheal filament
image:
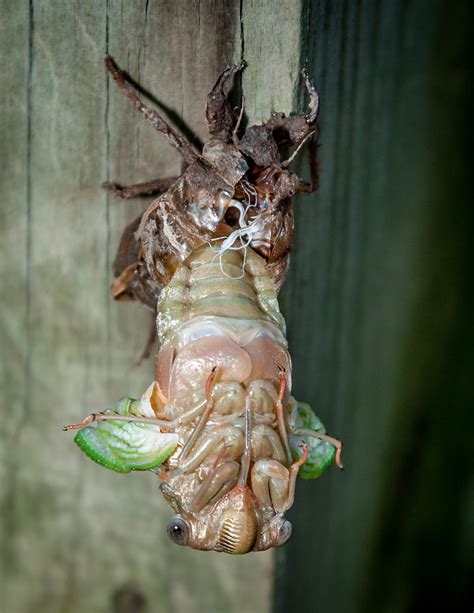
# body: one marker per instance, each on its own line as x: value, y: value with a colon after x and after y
x: 240, y: 238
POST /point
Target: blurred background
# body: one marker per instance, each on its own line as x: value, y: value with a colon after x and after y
x: 378, y: 301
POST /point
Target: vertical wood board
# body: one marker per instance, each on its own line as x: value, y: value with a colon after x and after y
x: 75, y: 537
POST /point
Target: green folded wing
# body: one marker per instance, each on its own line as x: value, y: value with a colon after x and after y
x: 321, y: 454
x: 125, y: 446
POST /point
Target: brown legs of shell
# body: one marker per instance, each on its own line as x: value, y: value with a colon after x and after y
x: 296, y: 130
x: 121, y: 285
x: 219, y: 113
x: 176, y: 140
x: 292, y: 130
x: 148, y: 188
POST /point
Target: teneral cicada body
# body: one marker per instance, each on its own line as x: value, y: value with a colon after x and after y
x: 218, y: 425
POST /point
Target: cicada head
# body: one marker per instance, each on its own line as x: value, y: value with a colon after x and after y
x: 234, y: 525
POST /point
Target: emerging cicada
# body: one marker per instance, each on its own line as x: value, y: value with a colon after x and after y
x: 218, y: 425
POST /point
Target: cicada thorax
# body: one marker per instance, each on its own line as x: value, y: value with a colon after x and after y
x: 219, y: 314
x: 218, y: 194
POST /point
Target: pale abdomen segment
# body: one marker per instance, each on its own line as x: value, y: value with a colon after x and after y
x: 219, y: 311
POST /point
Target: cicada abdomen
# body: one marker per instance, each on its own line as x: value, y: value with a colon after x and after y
x: 219, y: 424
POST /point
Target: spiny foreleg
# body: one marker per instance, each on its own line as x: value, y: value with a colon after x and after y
x: 219, y: 113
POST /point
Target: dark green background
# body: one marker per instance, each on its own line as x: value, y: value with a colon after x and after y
x: 379, y: 306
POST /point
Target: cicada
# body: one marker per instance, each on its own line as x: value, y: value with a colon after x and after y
x: 219, y: 425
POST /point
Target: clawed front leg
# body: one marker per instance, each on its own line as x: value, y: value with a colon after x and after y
x: 296, y: 130
x: 219, y: 113
x: 291, y: 131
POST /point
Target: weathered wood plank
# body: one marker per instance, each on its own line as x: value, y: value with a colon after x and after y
x: 15, y: 197
x: 75, y: 538
x: 272, y: 49
x: 64, y: 328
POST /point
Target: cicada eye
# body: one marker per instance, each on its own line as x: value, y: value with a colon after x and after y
x: 178, y: 531
x: 284, y: 533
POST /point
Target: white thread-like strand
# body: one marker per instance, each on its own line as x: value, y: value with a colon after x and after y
x: 228, y: 245
x: 246, y: 230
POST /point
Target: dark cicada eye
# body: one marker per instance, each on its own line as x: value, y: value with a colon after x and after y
x: 178, y: 531
x: 285, y: 532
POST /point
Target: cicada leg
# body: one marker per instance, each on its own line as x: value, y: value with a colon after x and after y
x: 95, y: 417
x: 295, y: 130
x: 294, y: 469
x: 273, y: 484
x: 323, y: 437
x: 247, y: 454
x: 227, y: 436
x: 281, y: 418
x: 219, y: 113
x: 165, y: 424
x: 148, y: 188
x: 203, y: 419
x: 176, y: 140
x: 121, y: 286
x: 220, y: 480
x: 270, y: 483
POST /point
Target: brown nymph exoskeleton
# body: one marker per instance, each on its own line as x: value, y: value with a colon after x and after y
x: 209, y: 255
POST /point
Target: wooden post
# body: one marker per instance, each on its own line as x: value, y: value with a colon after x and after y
x: 377, y: 301
x: 74, y: 537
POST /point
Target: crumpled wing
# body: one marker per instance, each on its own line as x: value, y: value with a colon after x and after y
x: 123, y: 446
x: 321, y: 454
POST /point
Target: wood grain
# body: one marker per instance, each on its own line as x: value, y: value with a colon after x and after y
x: 377, y: 300
x: 76, y: 538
